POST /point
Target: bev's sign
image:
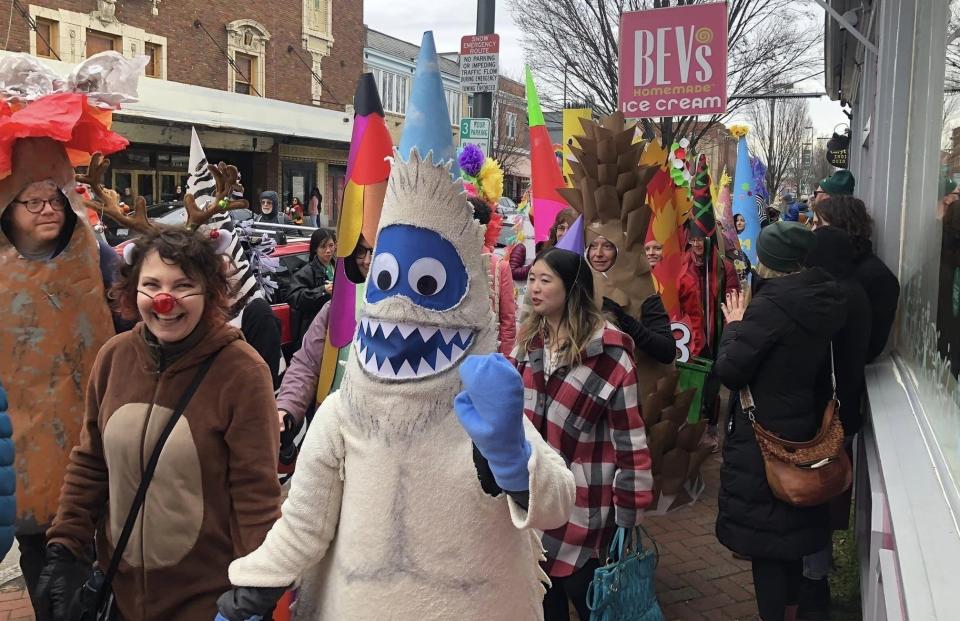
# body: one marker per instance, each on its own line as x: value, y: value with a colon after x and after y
x: 673, y: 61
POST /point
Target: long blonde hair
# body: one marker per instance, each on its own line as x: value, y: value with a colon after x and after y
x: 581, y: 317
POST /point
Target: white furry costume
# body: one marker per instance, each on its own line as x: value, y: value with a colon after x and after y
x: 386, y: 518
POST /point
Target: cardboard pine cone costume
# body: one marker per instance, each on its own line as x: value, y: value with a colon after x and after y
x: 610, y: 192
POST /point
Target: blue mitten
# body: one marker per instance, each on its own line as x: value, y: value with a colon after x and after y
x: 491, y: 411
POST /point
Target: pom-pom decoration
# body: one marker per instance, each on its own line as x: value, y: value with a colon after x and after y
x: 490, y: 181
x: 471, y: 160
x: 739, y: 131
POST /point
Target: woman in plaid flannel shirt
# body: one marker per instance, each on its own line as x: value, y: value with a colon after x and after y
x: 580, y: 391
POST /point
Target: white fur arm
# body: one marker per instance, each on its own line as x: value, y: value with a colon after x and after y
x: 299, y: 539
x: 552, y: 488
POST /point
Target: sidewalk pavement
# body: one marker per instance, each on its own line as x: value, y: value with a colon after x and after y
x: 697, y: 578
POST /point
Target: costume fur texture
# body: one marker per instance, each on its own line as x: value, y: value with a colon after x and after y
x: 386, y: 518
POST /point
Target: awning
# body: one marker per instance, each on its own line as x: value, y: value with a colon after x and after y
x: 197, y: 105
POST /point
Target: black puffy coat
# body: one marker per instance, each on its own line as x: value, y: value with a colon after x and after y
x: 883, y: 291
x: 851, y: 343
x: 307, y: 297
x: 781, y: 350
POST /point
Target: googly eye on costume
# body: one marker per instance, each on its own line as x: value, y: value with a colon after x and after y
x: 420, y: 265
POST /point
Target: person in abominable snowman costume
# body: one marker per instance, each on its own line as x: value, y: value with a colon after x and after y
x: 419, y: 490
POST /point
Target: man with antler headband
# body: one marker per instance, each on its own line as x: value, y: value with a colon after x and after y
x: 53, y: 312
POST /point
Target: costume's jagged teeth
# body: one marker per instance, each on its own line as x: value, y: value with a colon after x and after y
x: 406, y: 371
x: 364, y: 324
x: 442, y: 361
x: 448, y: 334
x: 385, y: 369
x: 464, y: 335
x: 426, y: 333
x: 424, y: 368
x: 456, y: 352
x: 388, y: 328
x: 406, y: 329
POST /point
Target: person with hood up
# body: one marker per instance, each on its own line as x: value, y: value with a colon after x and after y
x: 270, y: 209
x: 834, y: 253
x: 779, y: 347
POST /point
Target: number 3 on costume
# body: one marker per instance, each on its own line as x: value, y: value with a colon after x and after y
x: 682, y: 334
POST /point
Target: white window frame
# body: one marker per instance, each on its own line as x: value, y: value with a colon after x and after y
x: 511, y: 123
x: 257, y: 47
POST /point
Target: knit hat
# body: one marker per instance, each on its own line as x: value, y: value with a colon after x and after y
x: 839, y: 183
x: 783, y: 246
x: 949, y: 185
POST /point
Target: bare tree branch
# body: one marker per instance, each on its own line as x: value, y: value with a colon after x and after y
x: 791, y: 122
x: 575, y: 41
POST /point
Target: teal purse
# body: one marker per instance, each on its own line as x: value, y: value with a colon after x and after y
x: 623, y: 589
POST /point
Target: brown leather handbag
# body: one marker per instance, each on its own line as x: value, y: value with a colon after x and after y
x: 805, y: 474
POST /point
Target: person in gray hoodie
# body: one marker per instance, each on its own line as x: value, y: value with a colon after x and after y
x: 270, y: 209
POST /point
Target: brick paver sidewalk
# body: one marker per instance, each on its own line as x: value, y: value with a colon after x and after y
x: 697, y: 577
x: 14, y: 602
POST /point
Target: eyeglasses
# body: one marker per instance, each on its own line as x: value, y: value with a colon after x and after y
x: 36, y: 205
x: 362, y: 252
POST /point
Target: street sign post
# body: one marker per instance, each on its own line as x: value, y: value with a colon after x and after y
x: 480, y: 63
x: 478, y: 132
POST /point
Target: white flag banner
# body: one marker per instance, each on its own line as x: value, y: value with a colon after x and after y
x: 200, y: 183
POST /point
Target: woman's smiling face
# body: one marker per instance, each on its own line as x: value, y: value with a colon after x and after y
x: 170, y: 323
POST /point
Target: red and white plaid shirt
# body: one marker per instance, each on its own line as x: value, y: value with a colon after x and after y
x: 591, y: 415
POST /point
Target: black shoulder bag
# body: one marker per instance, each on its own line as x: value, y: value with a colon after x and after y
x: 94, y: 601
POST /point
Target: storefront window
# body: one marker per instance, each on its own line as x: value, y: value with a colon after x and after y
x: 929, y: 321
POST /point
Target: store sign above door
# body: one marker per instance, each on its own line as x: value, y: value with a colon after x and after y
x: 673, y: 61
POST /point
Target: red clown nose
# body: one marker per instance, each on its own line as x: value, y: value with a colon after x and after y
x: 163, y: 303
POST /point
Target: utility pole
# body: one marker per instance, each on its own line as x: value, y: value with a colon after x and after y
x: 486, y: 24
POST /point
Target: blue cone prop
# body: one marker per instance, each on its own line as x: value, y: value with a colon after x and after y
x: 427, y: 126
x: 573, y: 240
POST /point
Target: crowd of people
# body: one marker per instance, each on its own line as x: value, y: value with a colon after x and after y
x: 434, y: 480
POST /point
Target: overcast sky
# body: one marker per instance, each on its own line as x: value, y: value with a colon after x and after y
x: 408, y: 19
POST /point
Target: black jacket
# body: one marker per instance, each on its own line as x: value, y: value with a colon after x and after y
x: 780, y: 349
x: 307, y: 297
x: 261, y: 329
x: 651, y: 333
x: 851, y: 343
x: 883, y: 291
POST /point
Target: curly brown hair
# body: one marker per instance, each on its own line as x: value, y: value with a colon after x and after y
x: 194, y: 253
x: 849, y: 214
x: 567, y: 216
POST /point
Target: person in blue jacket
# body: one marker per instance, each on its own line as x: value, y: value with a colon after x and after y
x: 8, y: 478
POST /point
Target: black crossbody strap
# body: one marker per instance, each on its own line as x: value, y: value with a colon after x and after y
x: 148, y: 475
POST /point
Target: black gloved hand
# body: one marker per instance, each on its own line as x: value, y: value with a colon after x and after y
x: 242, y: 603
x: 609, y: 306
x: 62, y: 576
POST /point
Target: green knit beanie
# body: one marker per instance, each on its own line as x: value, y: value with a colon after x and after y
x: 783, y: 246
x: 839, y: 183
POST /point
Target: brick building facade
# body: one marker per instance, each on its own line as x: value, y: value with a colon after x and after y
x: 240, y: 71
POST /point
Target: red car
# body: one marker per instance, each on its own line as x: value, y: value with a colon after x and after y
x: 292, y: 256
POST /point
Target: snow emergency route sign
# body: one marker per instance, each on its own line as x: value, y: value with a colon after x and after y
x: 480, y: 63
x: 673, y: 61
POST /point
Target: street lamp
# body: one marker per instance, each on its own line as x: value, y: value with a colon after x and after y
x: 566, y: 63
